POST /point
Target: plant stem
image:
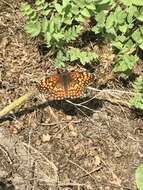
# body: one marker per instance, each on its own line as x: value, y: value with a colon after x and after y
x: 16, y: 103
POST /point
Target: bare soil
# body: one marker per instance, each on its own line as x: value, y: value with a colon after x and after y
x: 60, y: 145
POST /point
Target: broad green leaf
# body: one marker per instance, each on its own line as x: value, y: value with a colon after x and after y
x: 33, y: 28
x: 139, y: 177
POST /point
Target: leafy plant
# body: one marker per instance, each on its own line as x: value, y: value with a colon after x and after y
x: 139, y: 177
x: 137, y: 100
x: 121, y: 25
x: 54, y: 21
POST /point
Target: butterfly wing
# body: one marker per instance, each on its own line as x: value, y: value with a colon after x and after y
x: 79, y: 80
x: 53, y: 87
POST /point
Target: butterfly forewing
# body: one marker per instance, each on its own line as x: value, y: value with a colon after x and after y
x: 56, y: 88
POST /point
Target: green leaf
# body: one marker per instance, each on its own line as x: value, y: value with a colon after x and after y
x: 123, y: 28
x: 44, y: 24
x: 58, y: 36
x: 58, y: 7
x: 120, y: 16
x: 110, y: 21
x: 131, y: 12
x: 140, y: 15
x: 25, y: 7
x: 91, y: 7
x: 80, y: 18
x: 48, y: 37
x: 137, y: 2
x: 118, y: 45
x: 125, y: 63
x: 126, y: 2
x: 104, y: 2
x: 33, y: 28
x: 137, y: 36
x: 100, y: 18
x: 137, y: 102
x: 141, y: 46
x: 66, y: 2
x: 39, y: 2
x: 85, y: 12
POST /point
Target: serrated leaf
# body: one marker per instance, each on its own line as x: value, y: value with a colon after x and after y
x: 118, y: 44
x: 48, y: 37
x: 58, y: 7
x: 25, y: 7
x: 33, y: 28
x: 91, y: 7
x: 80, y: 18
x: 39, y: 2
x: 45, y: 12
x: 137, y: 36
x: 58, y: 36
x: 85, y: 12
x: 125, y: 63
x: 100, y: 18
x: 110, y: 21
x: 123, y: 28
x: 44, y: 24
x: 131, y: 12
x: 65, y: 2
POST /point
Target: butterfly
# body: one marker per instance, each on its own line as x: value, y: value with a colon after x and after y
x: 65, y: 85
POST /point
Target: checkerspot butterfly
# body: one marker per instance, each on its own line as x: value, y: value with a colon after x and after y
x: 65, y: 85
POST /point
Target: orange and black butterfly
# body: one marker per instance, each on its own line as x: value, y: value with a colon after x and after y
x: 65, y: 85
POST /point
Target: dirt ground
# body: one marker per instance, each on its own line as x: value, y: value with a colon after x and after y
x: 59, y: 145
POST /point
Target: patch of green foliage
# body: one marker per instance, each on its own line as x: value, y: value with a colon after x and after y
x: 137, y: 99
x: 119, y: 22
x: 139, y: 177
x: 122, y: 25
x: 54, y: 21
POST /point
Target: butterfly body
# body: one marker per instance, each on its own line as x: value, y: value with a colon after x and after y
x: 65, y: 85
